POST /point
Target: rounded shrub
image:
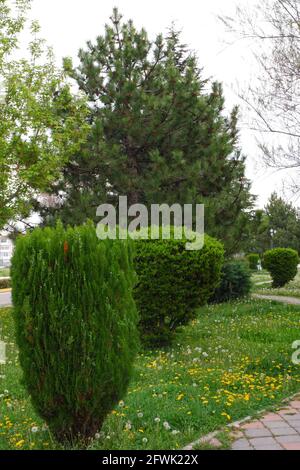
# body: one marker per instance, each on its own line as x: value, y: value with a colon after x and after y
x: 282, y: 265
x: 235, y: 283
x: 253, y: 259
x: 172, y: 283
x: 76, y: 325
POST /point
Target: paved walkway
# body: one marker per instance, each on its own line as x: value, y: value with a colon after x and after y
x: 5, y: 299
x: 278, y: 298
x: 262, y: 283
x: 273, y: 431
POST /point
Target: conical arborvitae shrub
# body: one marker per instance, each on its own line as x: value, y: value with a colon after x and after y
x: 76, y: 325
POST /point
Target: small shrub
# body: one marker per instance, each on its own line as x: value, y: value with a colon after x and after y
x: 76, y: 325
x: 253, y: 259
x: 282, y: 265
x: 172, y: 283
x: 5, y: 283
x: 235, y: 283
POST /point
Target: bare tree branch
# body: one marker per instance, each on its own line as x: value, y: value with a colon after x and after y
x: 274, y: 100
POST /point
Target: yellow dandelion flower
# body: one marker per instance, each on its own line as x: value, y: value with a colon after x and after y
x: 20, y: 443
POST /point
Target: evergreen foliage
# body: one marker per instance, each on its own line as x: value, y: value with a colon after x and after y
x: 76, y: 325
x: 235, y: 283
x: 172, y: 283
x: 284, y: 222
x: 253, y: 259
x: 282, y: 264
x: 159, y: 134
x: 275, y: 226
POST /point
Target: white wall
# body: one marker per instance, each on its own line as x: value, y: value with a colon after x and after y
x: 6, y: 251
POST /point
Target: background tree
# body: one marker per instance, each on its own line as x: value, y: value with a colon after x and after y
x: 41, y: 122
x: 272, y: 29
x: 258, y: 232
x: 284, y: 223
x: 159, y: 132
x: 276, y: 226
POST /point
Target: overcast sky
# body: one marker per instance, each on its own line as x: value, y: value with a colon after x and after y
x: 68, y: 24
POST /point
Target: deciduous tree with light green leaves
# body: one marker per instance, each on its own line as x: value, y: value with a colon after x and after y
x: 41, y: 121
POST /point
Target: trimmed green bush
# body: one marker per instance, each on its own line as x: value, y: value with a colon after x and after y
x: 76, y: 325
x: 282, y: 265
x: 5, y: 283
x: 172, y: 283
x: 253, y: 259
x: 235, y: 283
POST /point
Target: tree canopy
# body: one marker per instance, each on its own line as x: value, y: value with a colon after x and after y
x: 271, y: 30
x: 41, y: 121
x: 159, y: 133
x: 275, y: 226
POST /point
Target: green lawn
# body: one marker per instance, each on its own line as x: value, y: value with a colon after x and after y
x: 233, y: 360
x: 260, y: 276
x: 4, y: 272
x: 292, y: 289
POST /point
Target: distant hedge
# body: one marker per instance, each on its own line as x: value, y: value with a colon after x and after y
x: 76, y: 325
x: 253, y: 259
x: 282, y: 265
x: 235, y: 283
x: 172, y: 283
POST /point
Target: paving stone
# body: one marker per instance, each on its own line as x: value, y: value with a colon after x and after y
x: 258, y: 432
x: 285, y: 409
x: 291, y: 446
x: 276, y: 424
x: 271, y: 417
x: 289, y: 413
x: 295, y: 404
x: 253, y: 425
x: 241, y: 444
x: 288, y: 439
x: 262, y: 441
x: 286, y: 431
x: 295, y: 423
x: 295, y: 417
x: 270, y: 447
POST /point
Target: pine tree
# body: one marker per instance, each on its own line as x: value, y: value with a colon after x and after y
x: 284, y: 223
x: 159, y: 131
x: 258, y: 233
x: 275, y: 226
